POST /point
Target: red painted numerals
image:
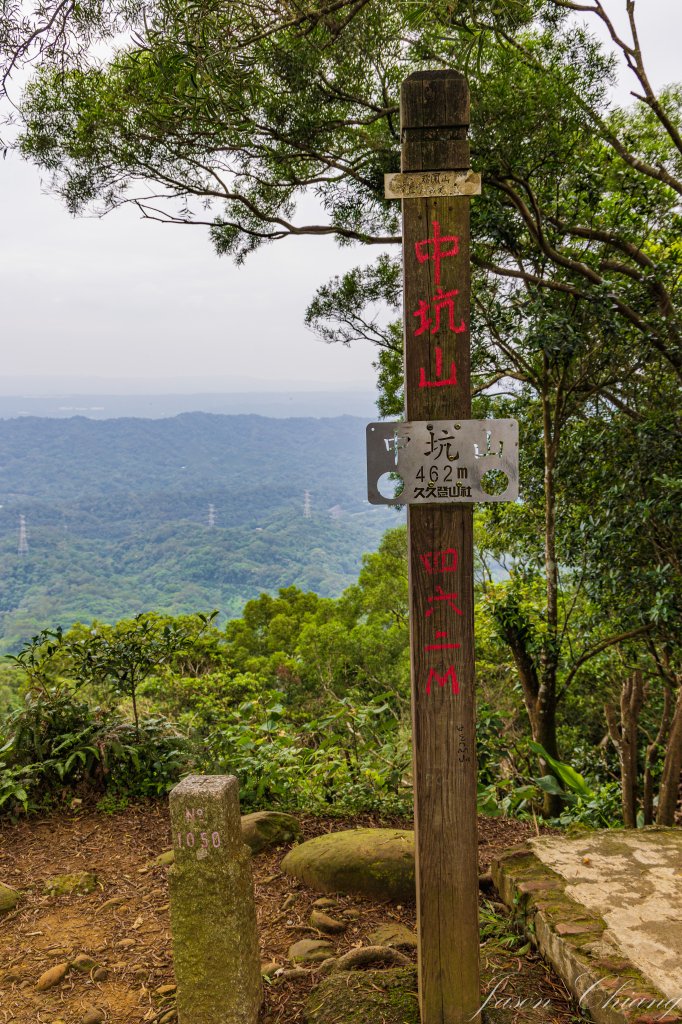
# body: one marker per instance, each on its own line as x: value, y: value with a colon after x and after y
x: 440, y: 561
x: 436, y: 562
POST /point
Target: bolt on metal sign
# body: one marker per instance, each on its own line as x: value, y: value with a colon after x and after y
x: 441, y: 461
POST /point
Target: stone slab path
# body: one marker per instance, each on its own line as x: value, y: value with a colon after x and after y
x: 634, y: 881
x: 606, y: 909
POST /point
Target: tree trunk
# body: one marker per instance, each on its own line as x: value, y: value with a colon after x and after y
x: 672, y: 766
x: 624, y: 736
x: 653, y: 752
x: 545, y: 725
x: 538, y: 675
x: 544, y: 732
x: 133, y: 694
x: 540, y: 701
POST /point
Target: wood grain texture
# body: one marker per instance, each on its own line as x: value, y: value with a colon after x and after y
x: 434, y: 119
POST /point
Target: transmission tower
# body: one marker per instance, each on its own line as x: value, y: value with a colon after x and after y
x: 307, y: 508
x: 211, y: 515
x: 23, y: 536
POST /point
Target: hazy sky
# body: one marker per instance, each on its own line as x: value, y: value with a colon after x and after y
x: 120, y: 297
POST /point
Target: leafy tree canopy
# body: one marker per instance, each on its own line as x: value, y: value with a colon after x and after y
x: 227, y: 115
x: 232, y: 112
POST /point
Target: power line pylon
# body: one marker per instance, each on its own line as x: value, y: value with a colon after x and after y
x: 307, y: 507
x: 211, y: 515
x: 23, y: 536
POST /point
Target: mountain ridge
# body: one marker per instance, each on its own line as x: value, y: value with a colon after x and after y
x: 117, y: 513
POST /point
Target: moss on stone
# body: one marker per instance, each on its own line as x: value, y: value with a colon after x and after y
x: 356, y: 997
x: 310, y: 951
x: 518, y: 859
x: 81, y: 882
x: 216, y: 958
x: 582, y: 959
x: 368, y: 861
x: 394, y: 935
x: 264, y: 829
x: 164, y: 860
x: 8, y: 898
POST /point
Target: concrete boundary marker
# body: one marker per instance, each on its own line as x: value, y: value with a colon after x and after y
x: 212, y: 905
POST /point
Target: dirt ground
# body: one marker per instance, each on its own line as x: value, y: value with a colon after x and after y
x: 123, y: 925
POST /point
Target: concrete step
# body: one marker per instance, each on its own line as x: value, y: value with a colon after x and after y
x: 605, y: 909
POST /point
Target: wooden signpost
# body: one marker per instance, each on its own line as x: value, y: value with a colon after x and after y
x: 434, y: 118
x: 435, y: 185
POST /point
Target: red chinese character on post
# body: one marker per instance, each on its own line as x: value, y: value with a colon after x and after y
x: 441, y: 301
x: 422, y: 253
x: 440, y: 595
x: 440, y: 635
x: 450, y: 675
x: 440, y: 382
x: 440, y: 561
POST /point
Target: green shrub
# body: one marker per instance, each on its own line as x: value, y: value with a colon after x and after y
x: 354, y: 757
x: 205, y: 703
x: 57, y: 745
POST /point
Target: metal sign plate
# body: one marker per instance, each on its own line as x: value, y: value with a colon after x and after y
x: 424, y: 184
x: 443, y: 461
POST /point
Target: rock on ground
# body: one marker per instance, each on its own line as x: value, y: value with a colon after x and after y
x: 64, y: 885
x: 164, y: 860
x: 389, y: 996
x: 395, y: 935
x: 53, y: 977
x: 376, y: 862
x: 84, y: 963
x: 310, y: 951
x: 324, y: 923
x: 93, y: 1015
x: 8, y: 898
x: 263, y: 829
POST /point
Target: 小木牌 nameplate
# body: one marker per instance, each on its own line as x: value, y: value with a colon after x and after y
x: 441, y: 461
x: 424, y: 184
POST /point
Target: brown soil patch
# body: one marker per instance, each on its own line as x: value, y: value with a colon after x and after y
x: 131, y: 939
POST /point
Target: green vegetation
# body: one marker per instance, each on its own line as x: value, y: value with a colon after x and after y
x: 304, y: 698
x: 248, y: 108
x: 117, y: 515
x: 243, y: 110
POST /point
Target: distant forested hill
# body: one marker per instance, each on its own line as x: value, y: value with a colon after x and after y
x: 117, y: 514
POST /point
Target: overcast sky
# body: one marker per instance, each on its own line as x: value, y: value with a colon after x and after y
x: 123, y: 298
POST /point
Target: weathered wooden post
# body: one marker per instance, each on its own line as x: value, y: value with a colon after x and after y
x: 434, y: 119
x: 443, y: 458
x: 213, y: 916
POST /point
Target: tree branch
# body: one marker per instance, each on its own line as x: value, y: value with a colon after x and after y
x: 597, y: 649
